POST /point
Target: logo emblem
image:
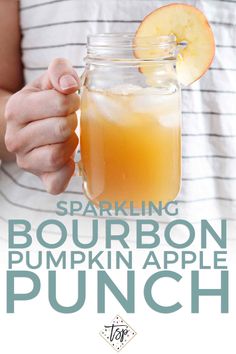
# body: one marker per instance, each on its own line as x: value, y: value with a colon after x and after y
x: 118, y: 333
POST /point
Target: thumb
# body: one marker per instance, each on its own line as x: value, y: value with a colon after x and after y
x: 62, y: 76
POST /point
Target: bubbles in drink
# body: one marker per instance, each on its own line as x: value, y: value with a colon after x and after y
x: 132, y: 104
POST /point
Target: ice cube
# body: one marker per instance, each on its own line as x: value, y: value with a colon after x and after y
x: 109, y: 107
x: 144, y: 102
x: 170, y: 121
x: 125, y: 89
x: 151, y: 101
x: 87, y: 107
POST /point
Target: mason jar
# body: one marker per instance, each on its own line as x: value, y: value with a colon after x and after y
x: 130, y: 122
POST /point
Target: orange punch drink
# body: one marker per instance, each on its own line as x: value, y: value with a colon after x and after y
x: 130, y: 144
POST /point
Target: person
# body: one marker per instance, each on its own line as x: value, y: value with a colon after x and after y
x: 42, y: 48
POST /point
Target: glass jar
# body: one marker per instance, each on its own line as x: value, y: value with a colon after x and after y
x: 130, y: 119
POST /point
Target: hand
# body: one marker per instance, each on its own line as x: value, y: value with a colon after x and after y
x: 41, y: 123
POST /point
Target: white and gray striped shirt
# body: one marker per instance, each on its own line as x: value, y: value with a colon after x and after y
x: 58, y: 28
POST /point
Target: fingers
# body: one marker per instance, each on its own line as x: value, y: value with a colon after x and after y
x: 42, y: 132
x: 60, y: 76
x: 56, y: 182
x: 39, y: 105
x: 41, y: 122
x: 48, y: 158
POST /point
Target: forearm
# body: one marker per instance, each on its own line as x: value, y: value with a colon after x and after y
x: 4, y: 154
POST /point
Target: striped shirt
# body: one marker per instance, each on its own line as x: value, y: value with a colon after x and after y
x: 58, y: 28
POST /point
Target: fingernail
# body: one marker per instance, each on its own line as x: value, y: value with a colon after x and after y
x: 67, y: 81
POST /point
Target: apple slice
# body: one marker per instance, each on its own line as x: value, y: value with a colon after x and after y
x: 189, y: 25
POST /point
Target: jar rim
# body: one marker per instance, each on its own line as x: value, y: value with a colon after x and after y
x: 122, y: 48
x: 128, y: 40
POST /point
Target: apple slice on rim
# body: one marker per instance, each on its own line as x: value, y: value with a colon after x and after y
x: 189, y: 25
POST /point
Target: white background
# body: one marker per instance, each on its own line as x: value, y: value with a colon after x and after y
x: 37, y: 328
